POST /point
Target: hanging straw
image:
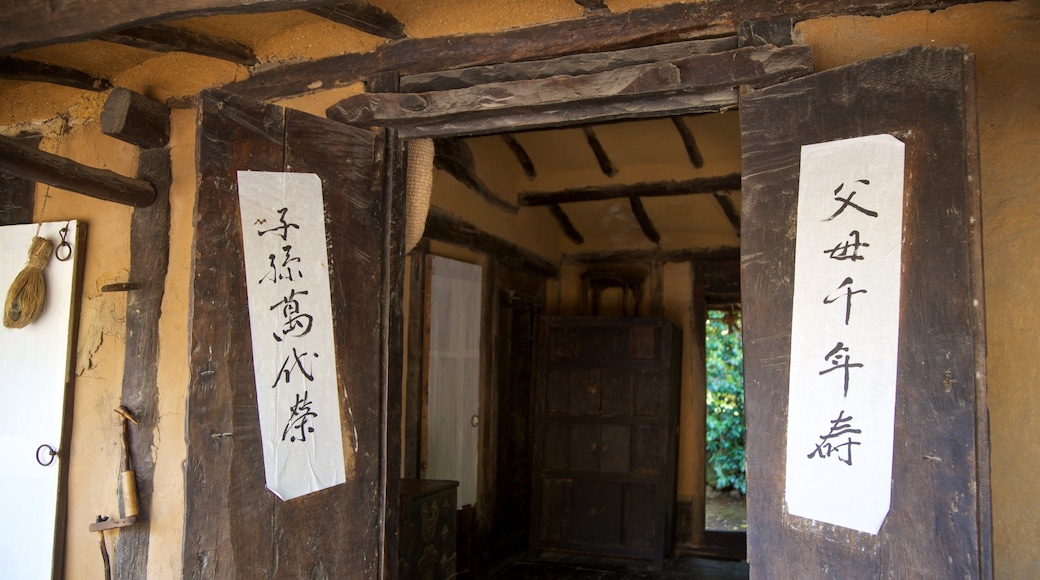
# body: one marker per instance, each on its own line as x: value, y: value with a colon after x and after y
x: 25, y: 298
x: 420, y: 185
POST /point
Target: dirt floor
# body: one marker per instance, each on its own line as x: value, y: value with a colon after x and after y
x: 725, y: 513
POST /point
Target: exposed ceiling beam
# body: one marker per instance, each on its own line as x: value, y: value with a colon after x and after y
x: 30, y: 70
x: 601, y: 257
x: 753, y: 66
x: 725, y: 201
x: 605, y: 164
x: 594, y: 33
x: 729, y: 182
x: 361, y: 15
x: 33, y: 23
x: 521, y: 155
x: 163, y: 38
x: 455, y: 157
x: 643, y: 218
x: 450, y: 229
x: 136, y: 119
x: 689, y: 142
x: 566, y: 225
x: 28, y: 163
x: 592, y: 5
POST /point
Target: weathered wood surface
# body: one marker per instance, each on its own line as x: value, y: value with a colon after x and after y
x: 594, y: 33
x: 689, y: 142
x: 698, y: 185
x: 445, y: 227
x: 29, y: 163
x: 592, y: 5
x: 149, y: 258
x: 645, y: 223
x: 703, y: 73
x: 566, y: 225
x: 575, y: 64
x: 361, y: 15
x: 18, y: 69
x: 136, y: 119
x: 778, y: 32
x: 938, y: 525
x: 18, y: 195
x: 521, y: 156
x: 33, y: 23
x: 417, y: 369
x: 455, y: 157
x: 162, y: 38
x: 234, y: 527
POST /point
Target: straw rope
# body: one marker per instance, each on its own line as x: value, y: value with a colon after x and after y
x: 420, y: 184
x: 28, y: 291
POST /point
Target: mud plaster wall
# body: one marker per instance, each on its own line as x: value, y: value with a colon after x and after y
x: 1005, y: 39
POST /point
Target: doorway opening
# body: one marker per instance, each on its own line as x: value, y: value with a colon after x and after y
x: 725, y: 506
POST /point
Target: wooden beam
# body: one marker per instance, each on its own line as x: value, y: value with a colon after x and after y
x: 775, y: 32
x: 17, y: 195
x: 521, y: 155
x: 652, y: 189
x: 604, y: 257
x: 26, y: 162
x: 576, y: 64
x: 136, y: 119
x: 566, y: 225
x: 592, y: 5
x: 361, y: 15
x: 645, y: 223
x: 593, y: 33
x: 605, y: 164
x: 689, y: 142
x: 16, y: 69
x: 445, y: 227
x: 752, y: 66
x: 33, y: 23
x: 163, y: 38
x: 455, y: 157
x: 725, y: 200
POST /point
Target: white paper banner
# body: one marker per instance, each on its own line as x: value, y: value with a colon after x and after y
x: 845, y: 332
x: 290, y: 316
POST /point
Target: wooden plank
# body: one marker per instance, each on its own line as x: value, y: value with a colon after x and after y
x: 699, y: 185
x: 455, y: 157
x: 593, y: 33
x: 361, y: 15
x: 566, y: 225
x: 149, y: 258
x: 605, y: 164
x: 34, y: 23
x: 689, y: 142
x: 779, y: 32
x: 417, y: 327
x: 28, y: 163
x: 703, y: 73
x: 17, y: 195
x: 643, y: 218
x: 576, y: 64
x: 136, y: 119
x: 607, y: 257
x: 18, y: 69
x: 521, y: 155
x: 445, y: 227
x: 163, y: 38
x: 933, y: 529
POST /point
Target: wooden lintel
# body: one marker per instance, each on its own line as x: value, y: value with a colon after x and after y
x: 725, y: 201
x: 163, y: 38
x: 18, y: 69
x: 689, y: 142
x: 566, y: 225
x: 643, y: 218
x: 450, y: 229
x: 605, y: 164
x: 361, y: 15
x: 752, y: 66
x: 778, y: 32
x: 594, y: 33
x: 521, y: 155
x: 454, y: 157
x: 576, y: 64
x: 28, y: 163
x: 136, y: 119
x: 652, y: 189
x: 599, y: 258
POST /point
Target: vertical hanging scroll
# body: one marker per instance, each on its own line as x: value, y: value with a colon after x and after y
x: 845, y: 332
x: 290, y: 314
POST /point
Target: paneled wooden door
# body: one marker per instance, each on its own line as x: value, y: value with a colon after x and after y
x: 938, y: 525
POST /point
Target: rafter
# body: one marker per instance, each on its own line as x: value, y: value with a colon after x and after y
x: 162, y: 38
x: 729, y: 182
x: 361, y: 15
x: 605, y: 164
x: 602, y: 257
x: 643, y: 218
x: 30, y: 70
x: 135, y: 119
x: 689, y: 142
x: 455, y: 157
x: 725, y: 201
x: 521, y: 155
x: 448, y: 228
x: 566, y: 224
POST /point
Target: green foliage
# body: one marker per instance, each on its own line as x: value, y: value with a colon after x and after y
x: 725, y: 400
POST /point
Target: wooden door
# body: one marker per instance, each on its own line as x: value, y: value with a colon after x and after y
x: 938, y: 524
x: 234, y: 526
x: 606, y: 418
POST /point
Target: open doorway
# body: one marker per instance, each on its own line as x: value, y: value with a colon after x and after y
x: 725, y: 508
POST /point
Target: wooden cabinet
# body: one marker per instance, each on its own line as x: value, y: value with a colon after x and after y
x: 606, y: 408
x: 428, y: 529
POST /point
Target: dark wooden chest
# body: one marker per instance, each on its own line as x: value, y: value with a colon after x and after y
x: 428, y: 529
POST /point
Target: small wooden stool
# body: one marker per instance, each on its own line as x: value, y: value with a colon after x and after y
x: 593, y: 282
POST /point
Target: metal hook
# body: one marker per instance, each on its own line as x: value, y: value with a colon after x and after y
x: 52, y: 453
x: 61, y: 254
